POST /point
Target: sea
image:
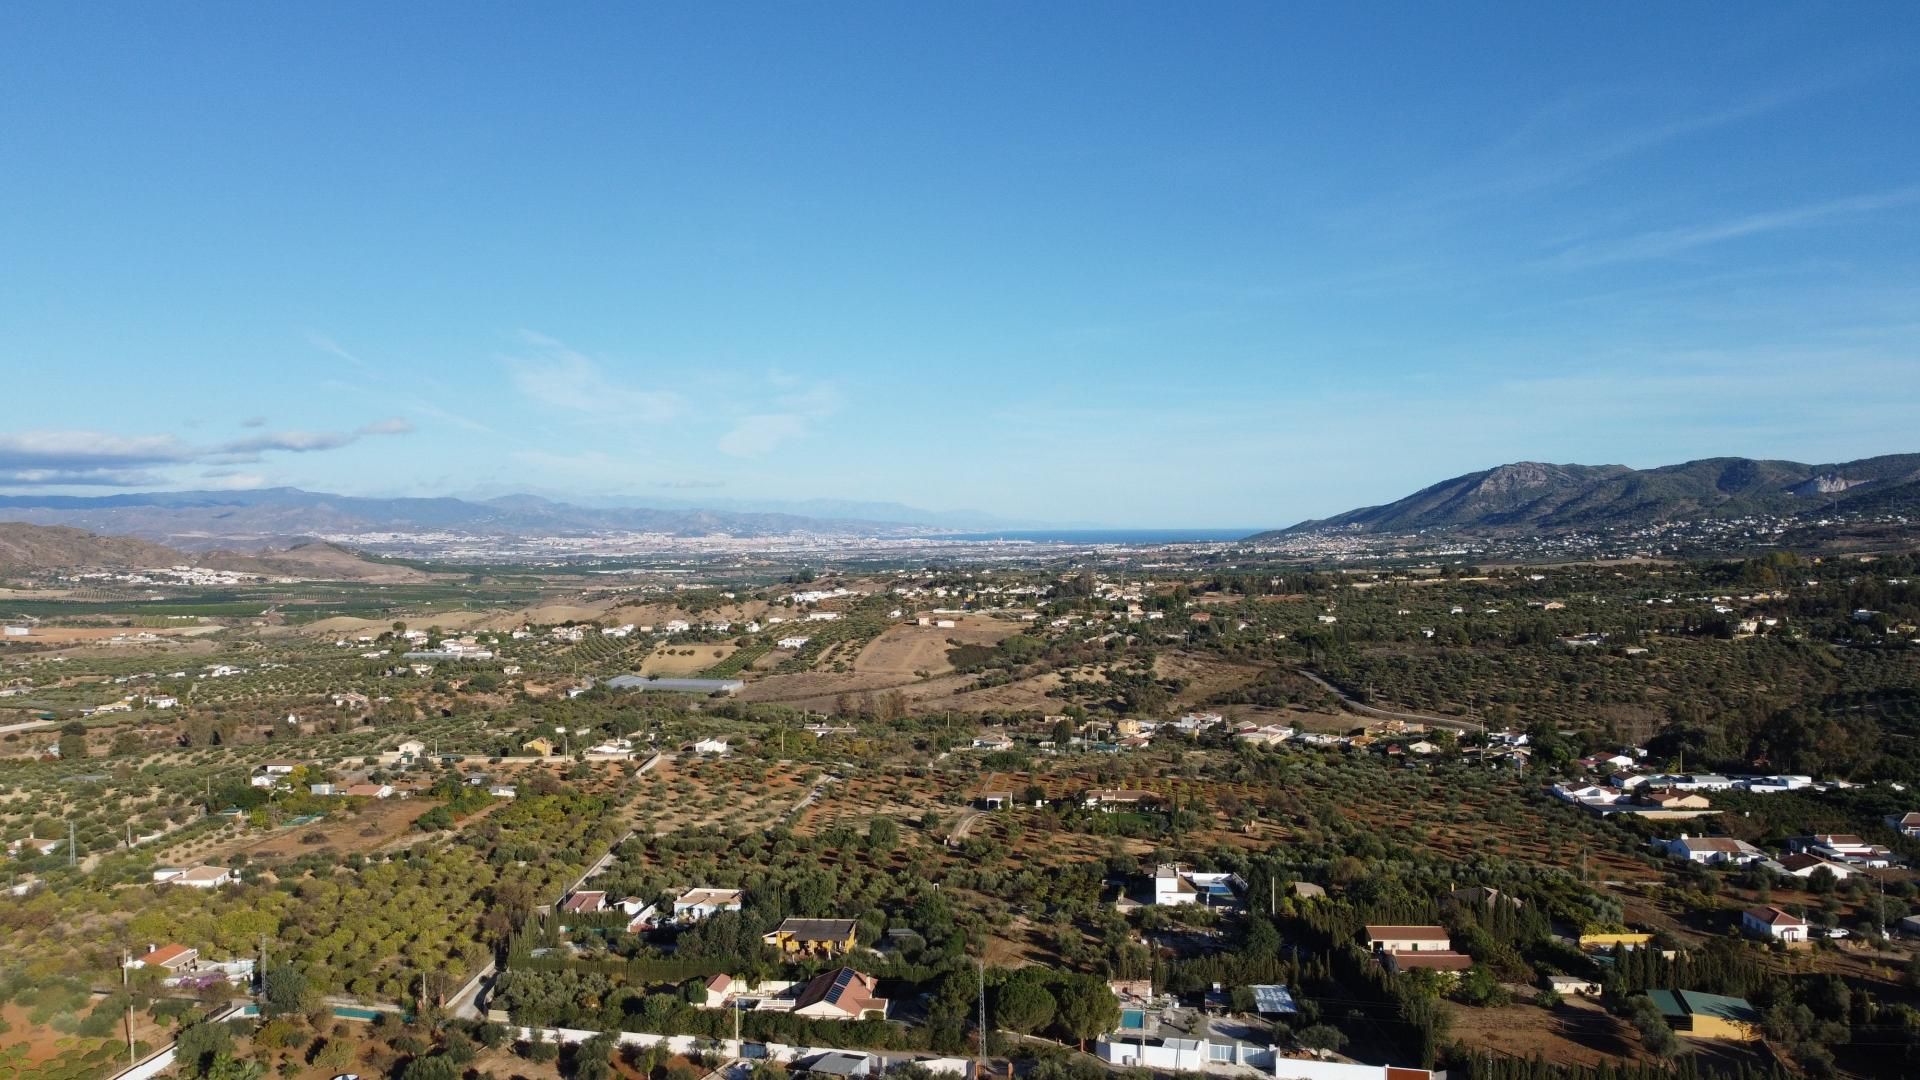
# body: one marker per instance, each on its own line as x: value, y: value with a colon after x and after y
x: 1111, y: 536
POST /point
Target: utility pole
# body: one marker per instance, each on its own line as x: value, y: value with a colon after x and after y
x: 126, y: 961
x: 980, y: 1069
x: 73, y: 854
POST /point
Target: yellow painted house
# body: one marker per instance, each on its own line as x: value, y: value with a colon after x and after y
x: 542, y: 746
x: 812, y: 937
x: 1707, y: 1016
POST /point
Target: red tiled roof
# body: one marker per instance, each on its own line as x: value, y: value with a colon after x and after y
x: 1773, y: 916
x: 166, y: 955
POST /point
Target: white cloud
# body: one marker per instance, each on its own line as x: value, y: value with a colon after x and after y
x: 69, y: 450
x: 16, y: 478
x: 557, y: 376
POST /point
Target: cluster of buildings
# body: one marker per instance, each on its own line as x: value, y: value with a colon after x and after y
x: 1625, y: 786
x: 1840, y: 854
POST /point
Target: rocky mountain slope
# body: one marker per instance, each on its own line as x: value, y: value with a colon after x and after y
x: 1531, y: 496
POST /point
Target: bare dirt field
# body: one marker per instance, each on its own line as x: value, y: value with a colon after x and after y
x: 904, y: 650
x: 560, y: 613
x: 446, y: 620
x: 1205, y: 676
x: 1577, y: 1031
x: 378, y: 823
x: 684, y: 659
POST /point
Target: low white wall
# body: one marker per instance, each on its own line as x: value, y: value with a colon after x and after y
x: 151, y: 1067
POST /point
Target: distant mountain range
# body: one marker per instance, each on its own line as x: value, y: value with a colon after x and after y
x: 1531, y: 496
x: 273, y: 517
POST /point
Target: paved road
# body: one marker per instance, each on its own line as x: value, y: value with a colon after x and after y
x: 1435, y: 721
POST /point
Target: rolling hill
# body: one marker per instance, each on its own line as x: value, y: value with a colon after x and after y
x: 1531, y: 496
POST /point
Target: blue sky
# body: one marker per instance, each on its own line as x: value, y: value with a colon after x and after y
x: 1123, y: 263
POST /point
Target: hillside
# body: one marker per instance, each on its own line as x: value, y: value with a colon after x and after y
x: 276, y: 517
x: 35, y: 547
x: 1531, y: 496
x: 327, y: 562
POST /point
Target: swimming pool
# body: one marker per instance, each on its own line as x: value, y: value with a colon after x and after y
x: 1133, y: 1019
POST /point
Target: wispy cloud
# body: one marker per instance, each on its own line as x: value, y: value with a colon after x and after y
x: 1666, y: 243
x: 552, y: 374
x: 797, y: 406
x: 392, y: 425
x: 759, y: 435
x: 379, y: 377
x: 1556, y: 146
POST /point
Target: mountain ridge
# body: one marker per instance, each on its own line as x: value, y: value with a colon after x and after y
x: 275, y: 517
x: 1544, y: 497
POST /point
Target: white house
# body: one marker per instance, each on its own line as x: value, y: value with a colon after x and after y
x: 1842, y: 847
x: 1803, y: 866
x: 1712, y: 850
x: 198, y: 877
x: 1773, y: 924
x: 1176, y: 885
x: 793, y: 642
x: 696, y: 904
x: 1907, y: 824
x: 1396, y: 939
x: 711, y: 746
